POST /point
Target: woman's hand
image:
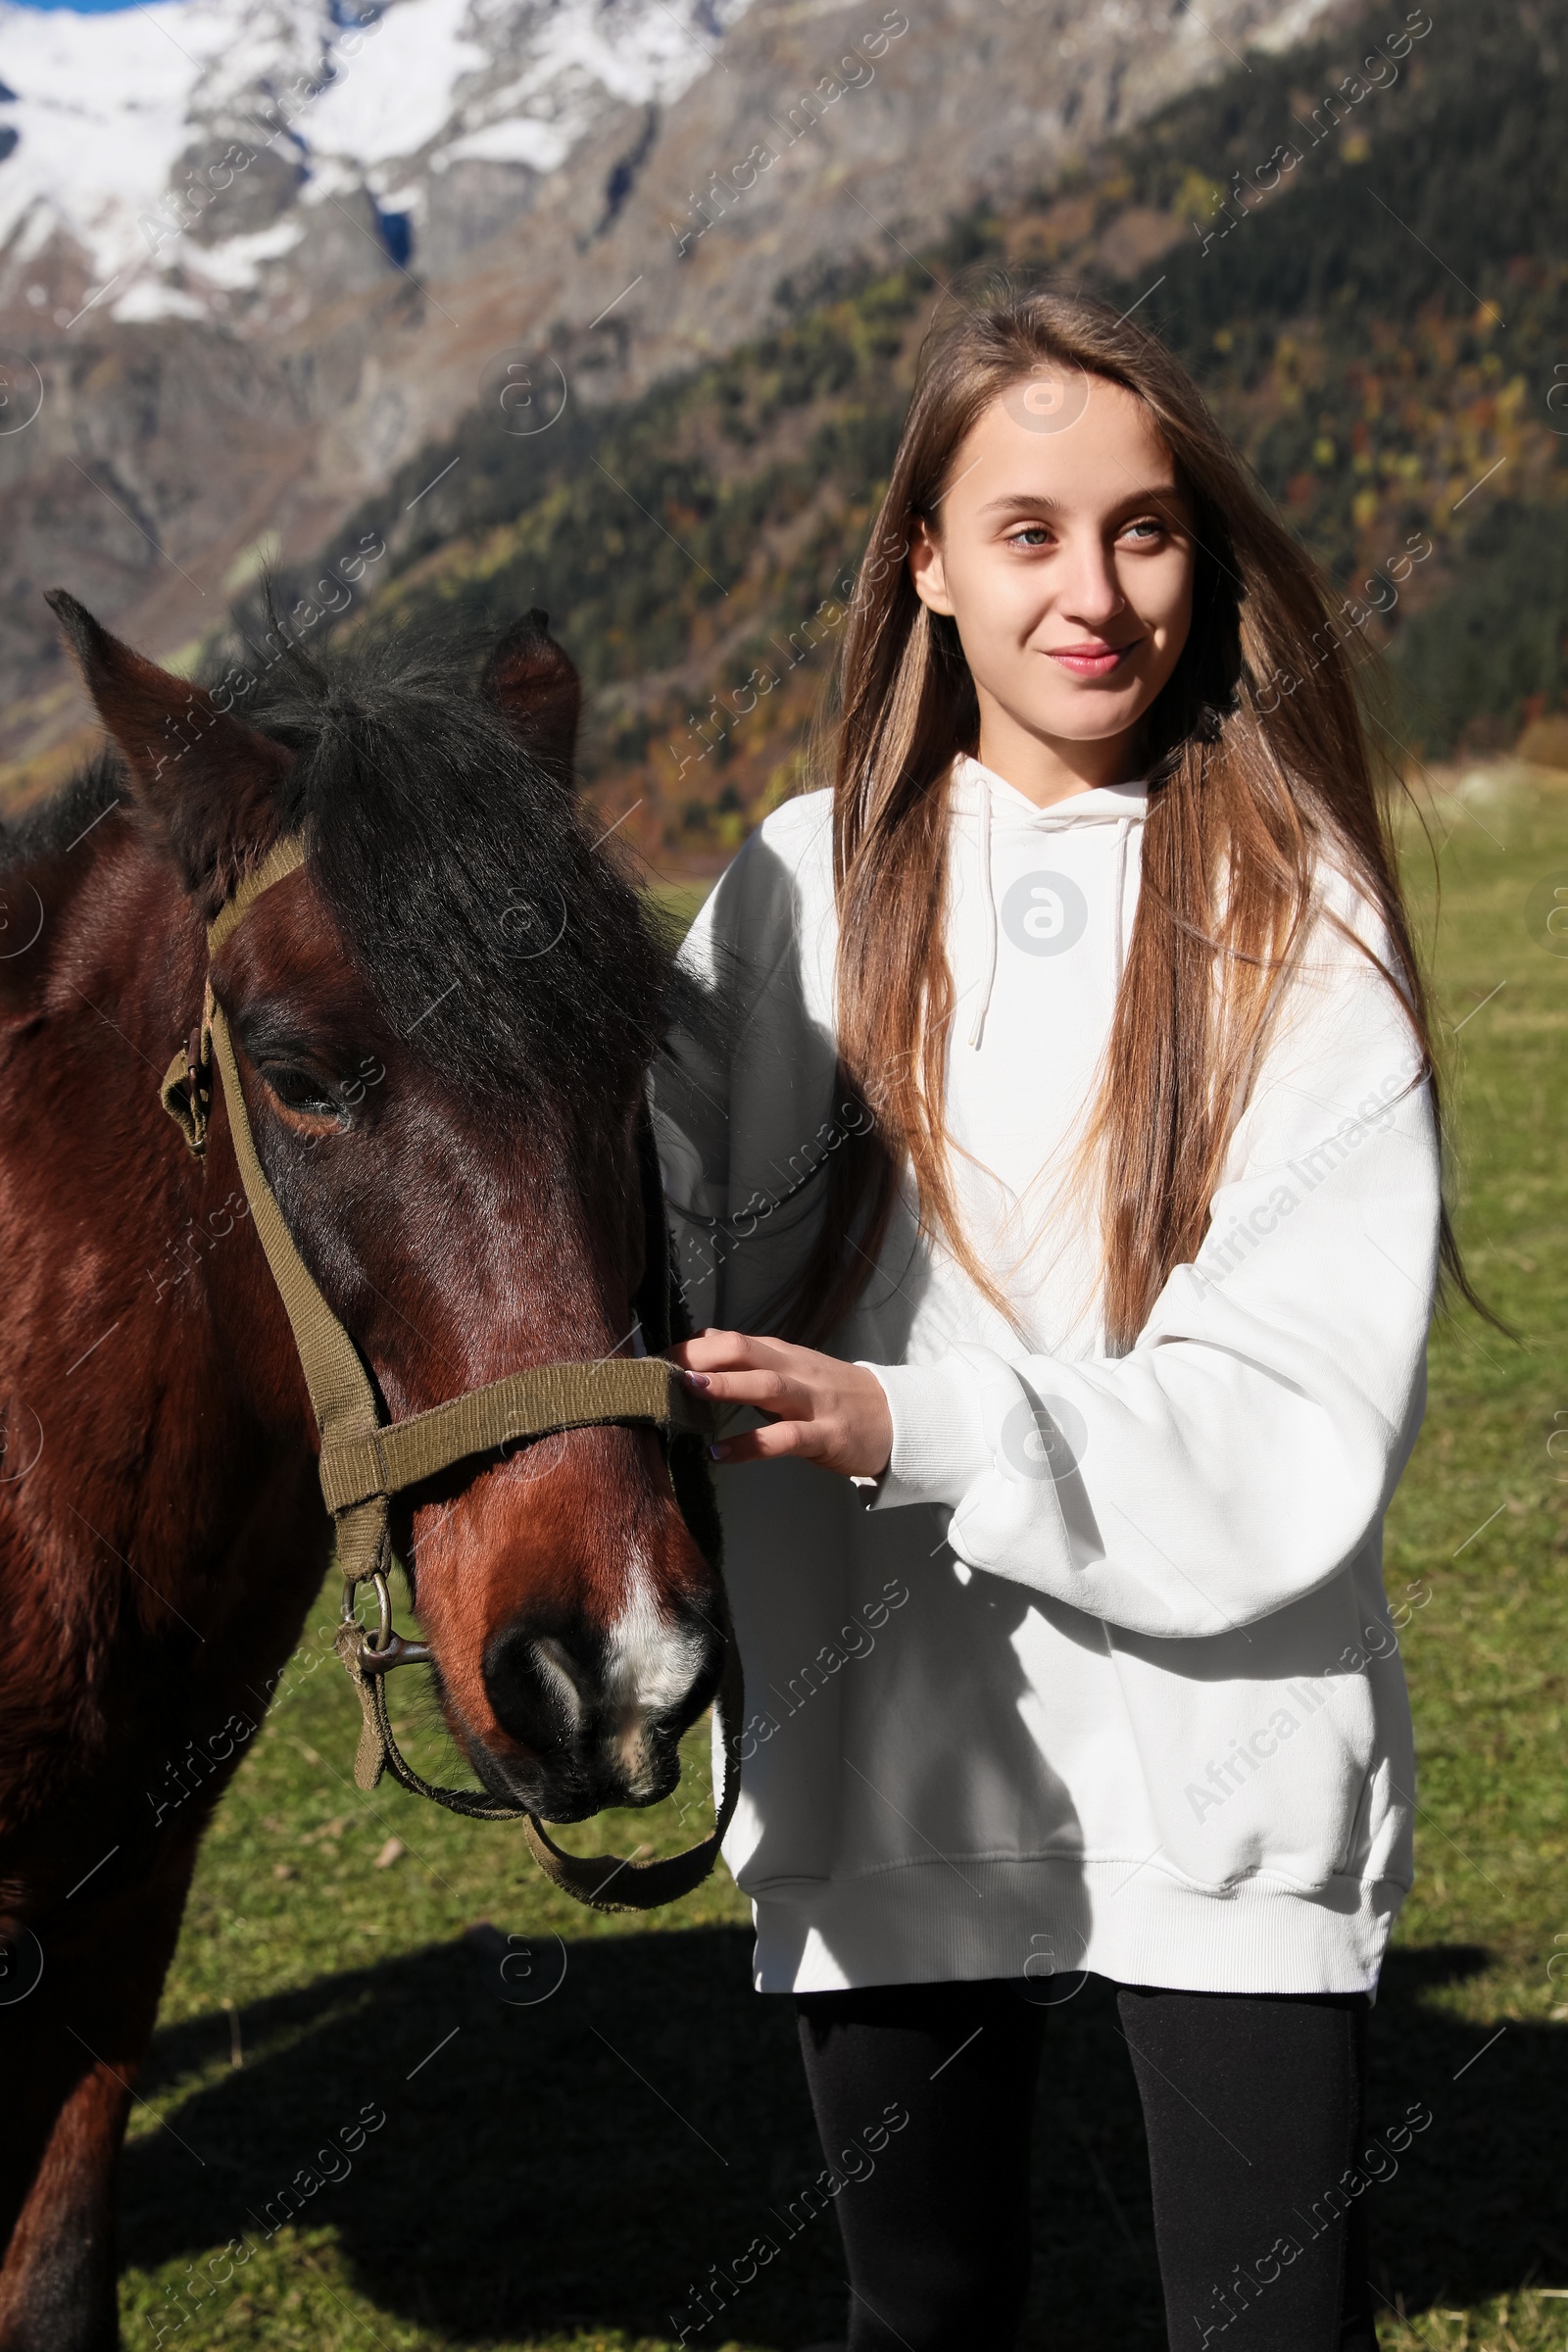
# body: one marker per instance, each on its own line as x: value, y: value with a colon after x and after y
x: 828, y: 1411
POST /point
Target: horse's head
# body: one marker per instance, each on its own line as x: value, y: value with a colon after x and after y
x: 443, y: 1023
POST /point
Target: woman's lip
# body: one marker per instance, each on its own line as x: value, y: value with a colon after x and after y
x: 1091, y: 661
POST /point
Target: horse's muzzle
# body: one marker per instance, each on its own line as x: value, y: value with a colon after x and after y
x: 592, y: 1714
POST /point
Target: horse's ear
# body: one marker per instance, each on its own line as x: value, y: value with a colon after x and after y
x: 534, y: 681
x: 208, y: 783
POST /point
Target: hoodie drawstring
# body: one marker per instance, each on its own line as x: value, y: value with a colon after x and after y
x: 1124, y: 828
x: 978, y: 1024
x: 1124, y: 834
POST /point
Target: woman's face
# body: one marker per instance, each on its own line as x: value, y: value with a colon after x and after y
x: 1064, y: 551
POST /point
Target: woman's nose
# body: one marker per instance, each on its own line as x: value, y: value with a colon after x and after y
x: 1090, y: 592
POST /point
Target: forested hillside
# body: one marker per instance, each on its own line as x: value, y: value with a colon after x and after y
x: 1358, y: 248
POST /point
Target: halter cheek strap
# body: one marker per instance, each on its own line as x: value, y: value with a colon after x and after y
x: 365, y: 1461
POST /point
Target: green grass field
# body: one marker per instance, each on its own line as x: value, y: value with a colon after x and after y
x: 563, y: 2151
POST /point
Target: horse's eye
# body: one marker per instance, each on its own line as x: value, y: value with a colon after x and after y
x: 300, y: 1090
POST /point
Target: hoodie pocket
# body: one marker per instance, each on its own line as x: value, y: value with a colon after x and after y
x: 1260, y: 1753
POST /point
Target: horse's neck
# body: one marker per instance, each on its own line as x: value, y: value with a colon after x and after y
x: 131, y: 1266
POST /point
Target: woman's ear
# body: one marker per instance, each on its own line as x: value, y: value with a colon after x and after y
x: 533, y: 681
x: 926, y: 567
x: 208, y: 785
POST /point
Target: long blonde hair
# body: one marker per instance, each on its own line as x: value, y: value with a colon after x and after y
x: 1249, y: 787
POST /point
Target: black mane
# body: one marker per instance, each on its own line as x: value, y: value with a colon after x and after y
x: 452, y: 860
x: 49, y: 827
x: 512, y: 951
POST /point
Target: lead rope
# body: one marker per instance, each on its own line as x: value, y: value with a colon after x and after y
x: 364, y: 1462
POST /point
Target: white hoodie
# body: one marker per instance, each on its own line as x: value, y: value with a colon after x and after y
x: 1099, y: 1673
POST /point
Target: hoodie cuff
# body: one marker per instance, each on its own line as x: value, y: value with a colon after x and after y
x: 939, y: 1443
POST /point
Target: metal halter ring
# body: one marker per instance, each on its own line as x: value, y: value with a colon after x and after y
x: 387, y: 1648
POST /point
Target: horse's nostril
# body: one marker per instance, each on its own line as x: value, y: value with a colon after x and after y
x: 598, y: 1707
x: 541, y: 1685
x: 556, y: 1659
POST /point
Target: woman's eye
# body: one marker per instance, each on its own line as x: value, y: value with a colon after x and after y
x: 1154, y: 528
x: 302, y: 1090
x: 1033, y: 533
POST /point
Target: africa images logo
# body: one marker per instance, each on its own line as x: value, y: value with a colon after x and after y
x: 1049, y: 398
x: 1045, y: 913
x: 1044, y: 1438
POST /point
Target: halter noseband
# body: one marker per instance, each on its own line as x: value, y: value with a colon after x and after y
x: 365, y: 1461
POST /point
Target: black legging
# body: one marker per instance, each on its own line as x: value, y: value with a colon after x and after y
x: 1254, y: 2108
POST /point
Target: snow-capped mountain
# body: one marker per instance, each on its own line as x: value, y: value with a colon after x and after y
x: 181, y: 147
x: 254, y: 253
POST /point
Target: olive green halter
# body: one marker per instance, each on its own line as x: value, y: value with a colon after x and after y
x: 365, y: 1461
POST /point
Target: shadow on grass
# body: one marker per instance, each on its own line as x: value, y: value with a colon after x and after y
x: 585, y: 2159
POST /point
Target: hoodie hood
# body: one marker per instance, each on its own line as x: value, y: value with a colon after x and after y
x: 984, y: 803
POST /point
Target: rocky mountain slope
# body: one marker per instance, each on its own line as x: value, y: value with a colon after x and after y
x: 254, y: 253
x: 1354, y: 247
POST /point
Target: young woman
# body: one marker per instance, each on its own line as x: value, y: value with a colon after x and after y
x: 1063, y: 1207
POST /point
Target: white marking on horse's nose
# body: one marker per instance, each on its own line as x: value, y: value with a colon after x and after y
x: 650, y: 1665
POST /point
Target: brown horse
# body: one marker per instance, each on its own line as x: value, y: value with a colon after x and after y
x: 444, y: 1023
